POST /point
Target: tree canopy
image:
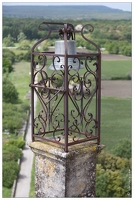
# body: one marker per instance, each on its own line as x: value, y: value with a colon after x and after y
x: 10, y: 94
x: 7, y: 66
x: 113, y: 176
x: 123, y: 149
x: 114, y: 35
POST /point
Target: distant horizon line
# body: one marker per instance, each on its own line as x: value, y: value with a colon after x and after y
x: 124, y: 6
x: 63, y: 5
x: 55, y: 5
x: 50, y: 5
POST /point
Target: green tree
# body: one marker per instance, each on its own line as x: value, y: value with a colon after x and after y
x: 113, y: 48
x: 21, y: 37
x: 10, y: 94
x: 25, y: 107
x: 8, y: 41
x: 113, y: 176
x: 123, y: 149
x: 30, y: 31
x: 109, y: 161
x: 12, y: 149
x: 5, y: 30
x: 27, y: 56
x: 101, y: 182
x: 19, y: 143
x: 13, y: 117
x: 8, y: 54
x: 7, y: 66
x: 8, y: 156
x: 127, y: 50
x: 110, y: 184
x: 24, y: 45
x: 10, y: 172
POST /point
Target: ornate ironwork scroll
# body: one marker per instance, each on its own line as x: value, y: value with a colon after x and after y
x: 69, y: 99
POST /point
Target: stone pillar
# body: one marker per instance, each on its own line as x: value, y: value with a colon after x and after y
x: 61, y: 174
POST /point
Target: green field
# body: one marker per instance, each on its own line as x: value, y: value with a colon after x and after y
x: 20, y: 78
x: 117, y: 68
x: 116, y: 120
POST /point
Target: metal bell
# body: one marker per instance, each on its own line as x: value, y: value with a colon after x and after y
x: 59, y: 62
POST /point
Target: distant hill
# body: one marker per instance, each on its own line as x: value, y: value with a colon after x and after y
x: 65, y: 12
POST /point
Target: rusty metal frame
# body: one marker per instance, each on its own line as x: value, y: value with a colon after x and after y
x: 46, y: 124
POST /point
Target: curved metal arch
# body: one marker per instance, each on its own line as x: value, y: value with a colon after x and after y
x: 89, y: 41
x: 68, y: 30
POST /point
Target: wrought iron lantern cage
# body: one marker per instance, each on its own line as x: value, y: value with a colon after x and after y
x: 68, y: 87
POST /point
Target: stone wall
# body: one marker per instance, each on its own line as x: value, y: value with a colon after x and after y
x: 61, y: 174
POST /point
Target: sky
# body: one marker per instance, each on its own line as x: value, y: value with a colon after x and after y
x: 123, y: 5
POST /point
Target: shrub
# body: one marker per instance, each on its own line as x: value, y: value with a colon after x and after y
x: 119, y: 78
x: 113, y: 176
x: 8, y: 54
x: 8, y: 156
x: 25, y: 106
x: 20, y: 57
x: 10, y: 94
x: 10, y: 172
x: 13, y: 117
x: 123, y: 149
x: 27, y: 56
x: 18, y: 143
x: 129, y: 76
x: 13, y: 149
x: 7, y: 66
x: 109, y: 161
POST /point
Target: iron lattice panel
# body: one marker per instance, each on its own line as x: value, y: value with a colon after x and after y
x: 69, y: 99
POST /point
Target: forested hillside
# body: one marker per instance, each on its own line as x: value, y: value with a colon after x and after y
x: 65, y: 12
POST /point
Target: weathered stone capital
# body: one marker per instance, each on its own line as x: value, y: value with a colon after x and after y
x: 61, y: 174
